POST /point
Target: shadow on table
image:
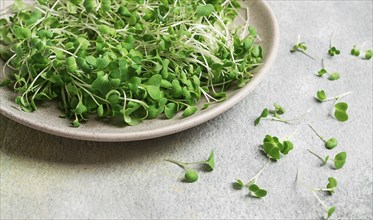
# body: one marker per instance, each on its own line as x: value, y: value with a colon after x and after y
x: 21, y: 141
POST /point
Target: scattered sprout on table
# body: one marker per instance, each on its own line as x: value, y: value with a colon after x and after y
x: 329, y: 143
x: 338, y: 161
x: 301, y: 47
x: 332, y: 49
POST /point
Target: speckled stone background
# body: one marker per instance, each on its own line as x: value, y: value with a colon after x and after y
x: 44, y: 176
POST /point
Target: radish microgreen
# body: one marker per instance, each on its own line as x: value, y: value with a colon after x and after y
x: 191, y: 175
x: 332, y: 49
x: 329, y: 143
x: 254, y: 189
x: 355, y: 51
x: 301, y: 47
x: 368, y: 54
x: 338, y: 161
x: 273, y: 147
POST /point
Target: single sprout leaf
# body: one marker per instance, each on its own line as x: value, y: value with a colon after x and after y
x: 340, y: 160
x: 191, y: 175
x: 238, y: 184
x: 334, y: 76
x: 340, y: 112
x: 330, y: 212
x: 288, y: 146
x: 368, y: 54
x: 320, y: 95
x: 355, y: 51
x: 322, y: 72
x: 279, y: 109
x: 332, y: 184
x: 210, y: 162
x: 331, y: 143
x: 256, y: 191
x: 264, y: 114
x: 190, y: 110
x: 205, y: 10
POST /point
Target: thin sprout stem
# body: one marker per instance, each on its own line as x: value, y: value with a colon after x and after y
x: 315, y: 155
x: 260, y: 172
x: 180, y: 164
x: 307, y: 54
x: 318, y: 135
x: 338, y: 96
x: 320, y: 201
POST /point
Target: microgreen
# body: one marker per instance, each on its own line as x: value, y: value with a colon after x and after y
x: 332, y: 76
x: 329, y: 143
x: 355, y: 51
x: 275, y: 115
x: 254, y: 190
x: 338, y: 161
x: 300, y: 47
x: 191, y: 175
x: 322, y: 97
x: 132, y: 60
x: 332, y: 49
x: 273, y: 147
x: 368, y: 54
x: 330, y: 188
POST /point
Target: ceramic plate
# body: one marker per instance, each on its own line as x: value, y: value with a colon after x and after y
x: 46, y: 117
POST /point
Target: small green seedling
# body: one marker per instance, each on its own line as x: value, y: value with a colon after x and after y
x: 329, y: 143
x: 254, y: 190
x: 330, y: 187
x: 368, y: 54
x: 339, y: 159
x: 332, y: 184
x: 191, y: 175
x: 332, y: 76
x: 300, y: 47
x: 275, y: 115
x: 323, y: 71
x: 322, y: 97
x: 332, y: 49
x: 340, y: 111
x: 273, y: 147
x: 355, y: 51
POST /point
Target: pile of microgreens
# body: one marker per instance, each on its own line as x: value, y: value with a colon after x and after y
x: 191, y: 175
x: 130, y: 59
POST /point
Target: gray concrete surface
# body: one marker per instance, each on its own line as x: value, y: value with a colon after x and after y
x: 44, y: 176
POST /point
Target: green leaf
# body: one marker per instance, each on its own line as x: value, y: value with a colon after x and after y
x: 102, y: 84
x: 80, y: 108
x: 256, y: 191
x: 204, y: 10
x: 102, y: 63
x: 331, y: 143
x: 334, y: 76
x: 368, y: 54
x: 320, y: 95
x: 272, y: 147
x: 322, y: 72
x: 4, y: 82
x: 288, y: 146
x: 210, y: 162
x: 355, y: 51
x: 22, y: 33
x: 190, y: 110
x: 153, y: 91
x: 332, y: 184
x: 340, y: 112
x: 340, y: 160
x: 170, y: 110
x: 191, y: 175
x: 238, y: 184
x: 279, y: 109
x: 330, y: 212
x: 264, y: 114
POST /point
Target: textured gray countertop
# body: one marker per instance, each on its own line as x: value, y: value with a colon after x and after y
x: 44, y: 176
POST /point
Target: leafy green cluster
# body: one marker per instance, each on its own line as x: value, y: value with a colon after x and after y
x: 191, y: 175
x: 131, y: 59
x: 273, y: 147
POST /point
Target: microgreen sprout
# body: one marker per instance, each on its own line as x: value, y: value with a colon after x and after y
x: 273, y: 147
x: 332, y: 76
x: 275, y: 115
x: 322, y: 97
x: 330, y: 188
x: 355, y: 51
x: 332, y: 49
x: 368, y: 54
x: 254, y: 189
x: 329, y: 143
x: 191, y: 175
x: 301, y: 47
x: 339, y: 159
